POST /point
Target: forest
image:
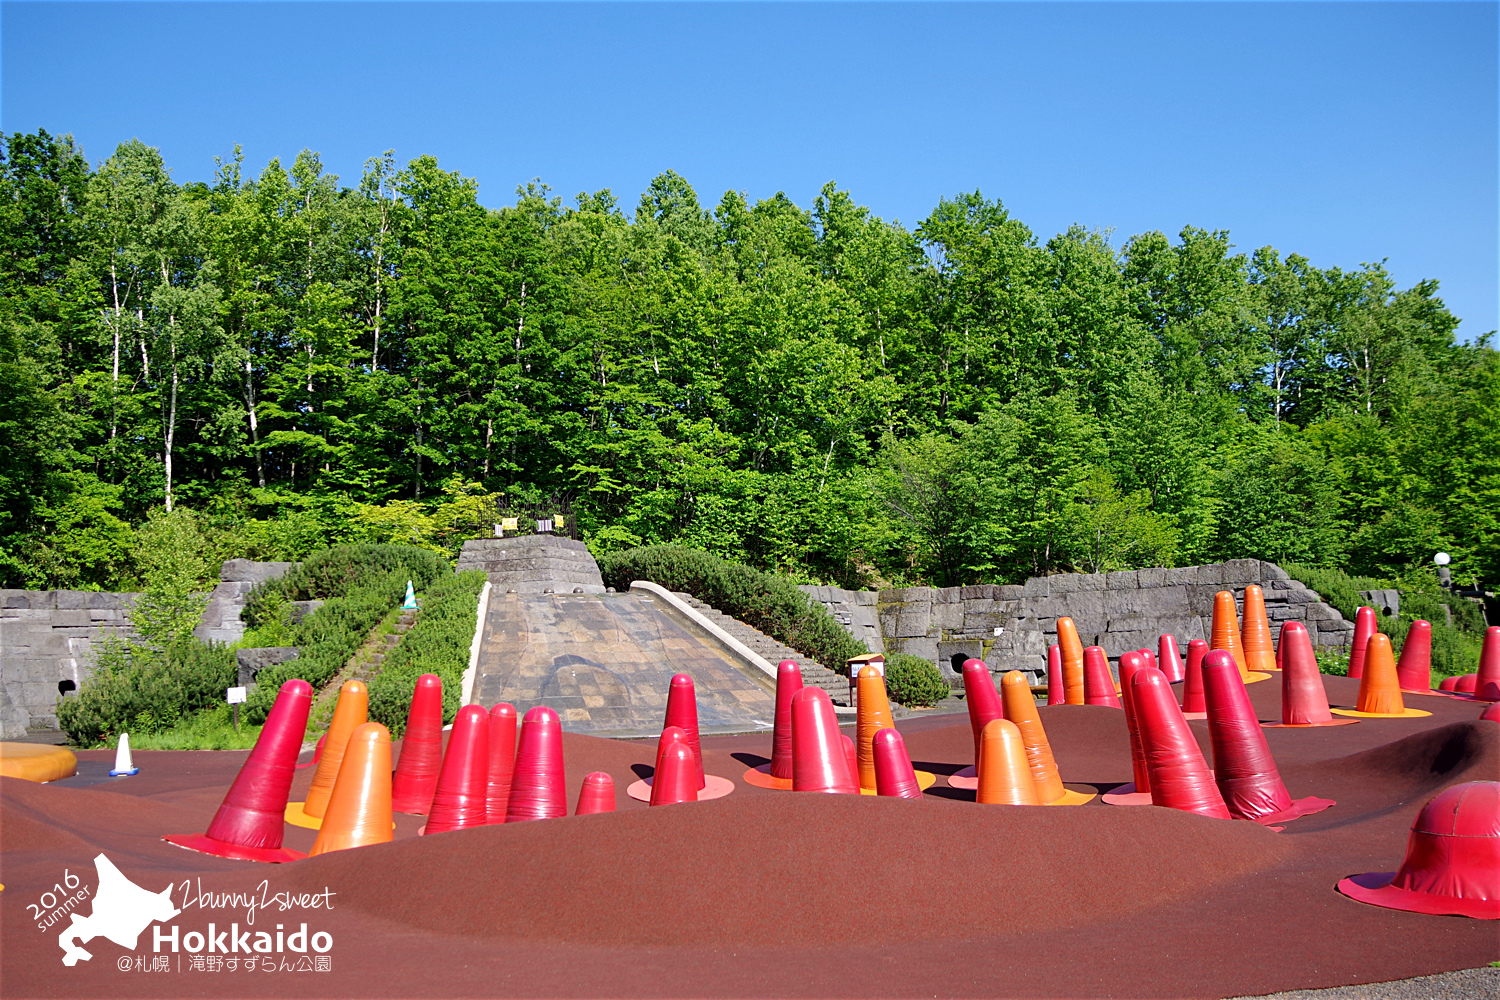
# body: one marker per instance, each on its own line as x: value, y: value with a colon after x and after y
x: 281, y: 360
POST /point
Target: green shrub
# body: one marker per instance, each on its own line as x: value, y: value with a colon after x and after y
x: 138, y: 689
x: 207, y: 729
x: 1454, y: 649
x: 913, y: 681
x: 437, y: 644
x: 335, y: 571
x: 765, y: 601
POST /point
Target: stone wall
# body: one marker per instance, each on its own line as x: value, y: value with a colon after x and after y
x: 1010, y: 627
x: 48, y: 637
x: 533, y: 564
x: 237, y: 577
x: 853, y: 609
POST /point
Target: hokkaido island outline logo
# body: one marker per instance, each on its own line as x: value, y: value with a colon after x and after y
x: 122, y: 910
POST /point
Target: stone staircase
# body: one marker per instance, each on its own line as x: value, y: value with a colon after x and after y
x: 814, y: 674
x: 366, y: 662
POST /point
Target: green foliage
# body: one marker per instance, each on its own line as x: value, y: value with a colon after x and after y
x: 914, y: 682
x: 136, y: 688
x: 335, y: 571
x: 209, y: 728
x: 172, y: 560
x: 437, y: 644
x: 767, y: 602
x: 1455, y: 648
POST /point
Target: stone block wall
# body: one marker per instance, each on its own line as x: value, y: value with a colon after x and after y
x: 853, y: 609
x: 47, y: 637
x: 237, y: 577
x: 1010, y: 627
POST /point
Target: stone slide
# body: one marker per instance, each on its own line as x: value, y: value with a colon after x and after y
x: 602, y: 661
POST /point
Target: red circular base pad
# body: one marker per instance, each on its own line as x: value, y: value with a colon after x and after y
x: 716, y: 788
x: 220, y: 849
x: 966, y: 778
x: 1126, y: 795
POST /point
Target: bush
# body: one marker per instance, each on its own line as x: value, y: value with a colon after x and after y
x: 1454, y: 650
x: 914, y: 682
x: 335, y: 571
x: 137, y: 689
x: 438, y: 644
x: 765, y: 601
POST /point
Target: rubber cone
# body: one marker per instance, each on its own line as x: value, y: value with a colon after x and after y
x: 674, y: 782
x: 1148, y: 659
x: 359, y: 810
x: 670, y: 736
x: 124, y: 765
x: 894, y: 775
x: 874, y: 714
x: 788, y: 683
x: 1465, y: 684
x: 1072, y: 661
x: 502, y: 763
x: 250, y: 823
x: 1414, y: 669
x: 1255, y: 632
x: 1244, y: 769
x: 1452, y: 863
x: 538, y: 786
x: 1487, y: 683
x: 1130, y: 665
x: 1226, y: 629
x: 421, y: 749
x: 1304, y: 702
x: 459, y: 800
x: 982, y: 698
x: 1020, y: 708
x: 851, y: 756
x: 1491, y: 714
x: 682, y: 712
x: 1098, y: 685
x: 1449, y: 683
x: 1192, y: 681
x: 317, y: 752
x: 597, y: 794
x: 1379, y: 690
x: 349, y: 714
x: 817, y: 750
x: 1180, y: 778
x: 1169, y: 661
x: 1004, y: 775
x: 1364, y: 627
x: 1055, y: 693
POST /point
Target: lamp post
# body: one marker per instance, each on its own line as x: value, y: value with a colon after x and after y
x: 1445, y: 577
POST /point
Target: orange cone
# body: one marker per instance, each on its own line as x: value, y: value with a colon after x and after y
x: 874, y: 715
x: 359, y: 810
x: 1072, y: 661
x: 1380, y: 688
x: 349, y: 714
x: 1255, y: 633
x: 1226, y: 630
x: 1020, y: 708
x: 1004, y: 776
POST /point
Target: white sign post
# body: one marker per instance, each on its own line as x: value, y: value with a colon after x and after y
x: 236, y: 696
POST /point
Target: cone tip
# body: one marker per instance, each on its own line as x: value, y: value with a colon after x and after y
x: 540, y: 713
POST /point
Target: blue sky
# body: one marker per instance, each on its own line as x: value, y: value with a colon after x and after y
x: 1347, y: 132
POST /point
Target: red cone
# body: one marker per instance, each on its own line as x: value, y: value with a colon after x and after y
x: 1244, y: 769
x: 682, y: 712
x: 1465, y: 684
x: 1364, y: 627
x: 1491, y: 714
x: 1056, y: 695
x: 669, y: 736
x: 1449, y: 683
x: 1150, y: 661
x: 459, y: 800
x: 1170, y: 662
x: 538, y: 787
x: 1192, y: 681
x: 1452, y: 862
x: 894, y: 774
x: 1304, y: 702
x: 597, y: 794
x: 788, y: 683
x: 1487, y: 683
x: 983, y: 699
x: 1098, y: 686
x: 1414, y: 669
x: 416, y: 777
x: 1130, y: 663
x: 502, y: 762
x: 820, y: 761
x: 674, y: 782
x: 250, y: 821
x: 851, y: 756
x: 1180, y: 778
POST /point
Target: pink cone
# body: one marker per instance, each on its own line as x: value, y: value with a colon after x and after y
x: 1098, y: 685
x: 1364, y: 627
x: 674, y: 782
x: 597, y: 794
x: 1192, y: 681
x: 982, y: 698
x: 1180, y: 778
x: 1487, y: 682
x: 459, y: 800
x: 502, y: 761
x: 1414, y: 670
x: 1304, y: 702
x: 1055, y: 693
x: 1170, y: 661
x: 682, y: 712
x: 538, y: 787
x: 894, y: 774
x: 1130, y: 663
x: 416, y: 777
x: 820, y: 761
x: 1244, y: 769
x: 788, y: 683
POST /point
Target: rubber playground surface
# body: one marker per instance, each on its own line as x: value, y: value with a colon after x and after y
x: 768, y: 893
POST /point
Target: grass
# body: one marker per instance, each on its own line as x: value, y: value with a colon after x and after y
x: 209, y: 729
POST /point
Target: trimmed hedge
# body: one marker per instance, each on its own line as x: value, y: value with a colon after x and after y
x: 138, y: 689
x: 913, y: 681
x: 1454, y: 650
x: 437, y: 644
x: 336, y: 571
x: 765, y: 601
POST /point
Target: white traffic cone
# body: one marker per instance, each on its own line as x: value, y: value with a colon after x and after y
x: 123, y: 764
